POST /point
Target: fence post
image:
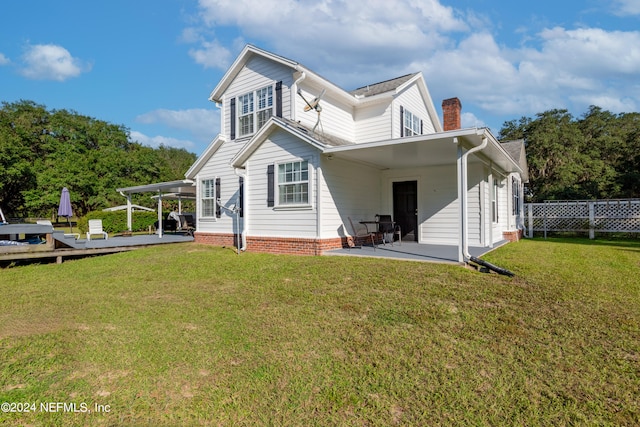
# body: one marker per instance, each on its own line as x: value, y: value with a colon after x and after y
x: 530, y: 211
x: 592, y: 220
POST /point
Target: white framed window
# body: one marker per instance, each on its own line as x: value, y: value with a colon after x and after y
x: 265, y: 105
x: 254, y: 109
x: 208, y: 198
x: 411, y: 124
x: 515, y: 184
x: 293, y: 183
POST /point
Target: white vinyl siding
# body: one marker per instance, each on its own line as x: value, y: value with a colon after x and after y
x: 348, y: 190
x: 280, y: 221
x: 411, y: 100
x: 336, y: 118
x: 218, y: 167
x: 258, y: 73
x: 373, y: 123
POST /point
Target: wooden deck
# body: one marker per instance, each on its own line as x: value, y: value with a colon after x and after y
x: 59, y: 246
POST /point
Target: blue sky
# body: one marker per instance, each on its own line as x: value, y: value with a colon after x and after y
x: 150, y: 65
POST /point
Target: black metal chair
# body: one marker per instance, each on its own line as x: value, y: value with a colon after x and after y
x: 386, y: 226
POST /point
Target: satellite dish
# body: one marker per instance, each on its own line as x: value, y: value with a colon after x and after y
x: 313, y: 105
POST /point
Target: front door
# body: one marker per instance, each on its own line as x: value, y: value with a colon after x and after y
x: 405, y: 208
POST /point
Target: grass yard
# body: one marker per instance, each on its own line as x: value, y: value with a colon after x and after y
x: 196, y: 335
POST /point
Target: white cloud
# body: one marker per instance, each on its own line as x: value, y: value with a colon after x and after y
x: 4, y: 60
x: 626, y: 7
x: 201, y: 123
x: 461, y: 54
x: 469, y: 120
x: 211, y: 55
x: 50, y: 62
x: 349, y: 38
x: 156, y: 141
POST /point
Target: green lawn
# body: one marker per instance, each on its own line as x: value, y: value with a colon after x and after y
x: 197, y: 335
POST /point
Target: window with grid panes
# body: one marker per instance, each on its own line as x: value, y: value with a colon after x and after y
x: 293, y: 183
x: 208, y: 197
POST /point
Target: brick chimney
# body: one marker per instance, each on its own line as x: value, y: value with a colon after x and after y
x: 451, y: 114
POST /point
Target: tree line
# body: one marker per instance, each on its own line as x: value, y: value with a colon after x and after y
x: 42, y: 151
x: 596, y: 156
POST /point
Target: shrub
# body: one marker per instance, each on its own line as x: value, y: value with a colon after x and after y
x: 116, y: 222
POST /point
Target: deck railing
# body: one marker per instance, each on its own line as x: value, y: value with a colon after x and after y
x: 589, y: 216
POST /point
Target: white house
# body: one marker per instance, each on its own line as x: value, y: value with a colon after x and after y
x: 298, y: 156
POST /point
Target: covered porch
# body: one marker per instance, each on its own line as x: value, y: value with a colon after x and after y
x: 425, y: 182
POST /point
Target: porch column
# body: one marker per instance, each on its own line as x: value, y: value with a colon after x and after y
x: 159, y: 214
x: 461, y: 206
x: 129, y: 219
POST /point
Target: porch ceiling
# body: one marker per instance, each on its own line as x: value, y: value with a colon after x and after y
x: 400, y: 155
x: 425, y: 150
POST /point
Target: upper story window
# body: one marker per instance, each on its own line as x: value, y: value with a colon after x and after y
x: 293, y: 183
x: 411, y: 124
x: 254, y: 109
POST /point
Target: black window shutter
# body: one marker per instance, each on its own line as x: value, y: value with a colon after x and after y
x: 270, y: 186
x: 218, y: 210
x: 279, y: 99
x: 401, y: 121
x: 233, y: 119
x: 241, y: 196
x: 421, y: 127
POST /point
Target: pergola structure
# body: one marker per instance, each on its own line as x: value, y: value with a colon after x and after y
x: 175, y: 190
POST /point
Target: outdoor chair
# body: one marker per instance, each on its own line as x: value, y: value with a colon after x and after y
x: 361, y: 234
x: 386, y: 226
x: 95, y: 227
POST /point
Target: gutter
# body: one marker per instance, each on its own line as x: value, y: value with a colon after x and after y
x: 243, y: 233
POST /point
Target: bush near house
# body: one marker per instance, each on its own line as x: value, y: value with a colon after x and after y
x: 116, y: 222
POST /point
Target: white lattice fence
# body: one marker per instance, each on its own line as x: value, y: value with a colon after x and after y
x: 606, y: 216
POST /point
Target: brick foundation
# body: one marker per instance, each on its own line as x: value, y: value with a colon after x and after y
x: 217, y: 239
x: 275, y: 245
x: 512, y: 236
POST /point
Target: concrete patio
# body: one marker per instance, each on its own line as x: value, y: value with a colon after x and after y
x: 413, y: 251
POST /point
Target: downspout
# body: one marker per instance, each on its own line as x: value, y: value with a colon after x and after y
x: 243, y: 232
x: 294, y: 90
x: 465, y: 229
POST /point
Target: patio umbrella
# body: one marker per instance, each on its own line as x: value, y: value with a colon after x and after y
x: 64, y: 209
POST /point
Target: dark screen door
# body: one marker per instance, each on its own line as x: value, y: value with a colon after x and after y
x: 405, y: 208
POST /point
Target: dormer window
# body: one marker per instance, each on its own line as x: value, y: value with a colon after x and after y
x: 254, y: 109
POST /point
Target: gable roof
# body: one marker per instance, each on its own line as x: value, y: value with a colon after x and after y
x: 516, y: 150
x: 381, y: 87
x: 365, y: 94
x: 205, y: 156
x: 294, y: 128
